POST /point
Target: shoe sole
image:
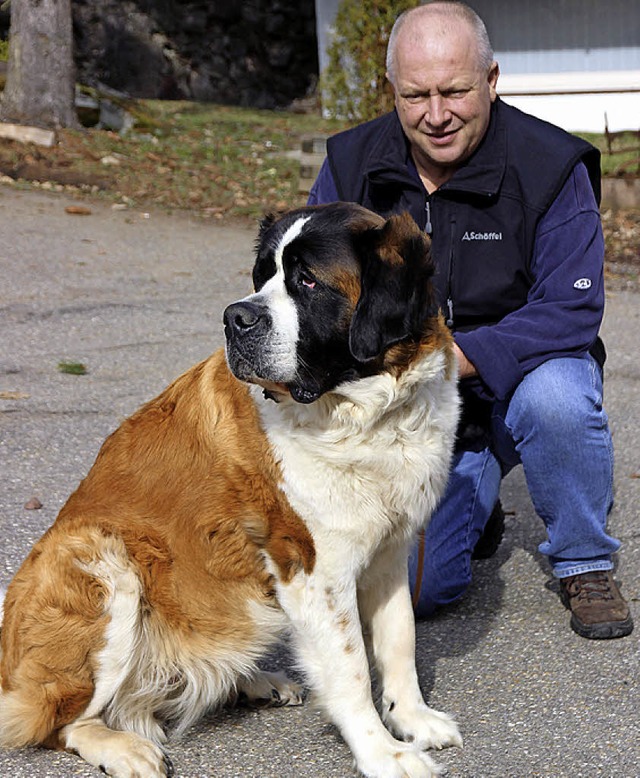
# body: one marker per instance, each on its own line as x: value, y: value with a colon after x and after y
x: 607, y: 630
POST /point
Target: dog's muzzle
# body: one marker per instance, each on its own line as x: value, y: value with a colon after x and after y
x: 246, y: 328
x: 256, y: 355
x: 246, y: 320
x: 255, y: 351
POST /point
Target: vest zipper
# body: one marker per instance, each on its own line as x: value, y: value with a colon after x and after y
x: 428, y: 227
x: 450, y: 268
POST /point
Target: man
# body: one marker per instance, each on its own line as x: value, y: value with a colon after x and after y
x: 510, y: 203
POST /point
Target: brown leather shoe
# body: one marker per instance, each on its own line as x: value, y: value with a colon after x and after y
x: 598, y: 610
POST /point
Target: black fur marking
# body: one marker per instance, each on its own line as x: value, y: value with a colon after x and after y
x: 395, y: 297
x: 390, y: 261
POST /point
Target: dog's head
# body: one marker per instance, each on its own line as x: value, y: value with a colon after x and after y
x: 336, y: 286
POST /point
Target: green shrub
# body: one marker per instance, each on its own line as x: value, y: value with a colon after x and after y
x: 354, y: 86
x: 4, y: 50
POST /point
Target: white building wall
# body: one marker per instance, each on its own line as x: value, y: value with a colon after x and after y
x: 326, y: 11
x: 571, y: 62
x: 568, y: 61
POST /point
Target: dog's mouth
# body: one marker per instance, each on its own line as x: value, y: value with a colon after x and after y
x: 246, y: 370
x: 272, y: 391
x: 302, y: 395
x: 278, y: 392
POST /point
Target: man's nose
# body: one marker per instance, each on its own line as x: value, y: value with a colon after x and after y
x: 437, y: 112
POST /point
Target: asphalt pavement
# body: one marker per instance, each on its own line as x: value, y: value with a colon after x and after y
x: 137, y: 298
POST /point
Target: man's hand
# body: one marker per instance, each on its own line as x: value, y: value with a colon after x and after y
x: 466, y: 369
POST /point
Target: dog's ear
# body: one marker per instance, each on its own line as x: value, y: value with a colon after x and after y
x: 268, y: 220
x: 395, y: 298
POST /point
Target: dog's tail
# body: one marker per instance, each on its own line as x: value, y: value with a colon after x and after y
x: 3, y: 594
x: 27, y: 716
x: 21, y: 722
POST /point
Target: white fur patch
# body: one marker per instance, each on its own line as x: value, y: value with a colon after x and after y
x: 146, y: 673
x: 370, y: 458
x: 365, y: 466
x: 289, y: 236
x: 122, y: 633
x: 281, y: 350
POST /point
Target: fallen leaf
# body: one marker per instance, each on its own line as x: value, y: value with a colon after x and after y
x: 14, y: 396
x: 72, y: 368
x: 78, y: 210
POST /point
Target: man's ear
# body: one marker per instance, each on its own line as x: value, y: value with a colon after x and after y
x: 395, y: 295
x: 494, y: 74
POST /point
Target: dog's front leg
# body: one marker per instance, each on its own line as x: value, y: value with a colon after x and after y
x: 324, y: 614
x: 385, y: 606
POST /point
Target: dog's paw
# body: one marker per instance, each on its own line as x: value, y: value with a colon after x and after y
x: 424, y: 727
x: 269, y: 690
x: 399, y: 763
x: 129, y: 756
x: 150, y: 763
x: 120, y: 754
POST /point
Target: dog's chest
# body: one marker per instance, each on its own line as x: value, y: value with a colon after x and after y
x: 365, y: 485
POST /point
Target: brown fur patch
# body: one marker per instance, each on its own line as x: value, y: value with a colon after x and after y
x: 399, y: 230
x: 187, y: 490
x: 436, y: 337
x: 54, y: 619
x: 349, y: 284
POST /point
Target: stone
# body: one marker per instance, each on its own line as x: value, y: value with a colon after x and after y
x: 259, y: 53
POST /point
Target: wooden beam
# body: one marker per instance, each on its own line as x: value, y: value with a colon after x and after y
x: 26, y: 134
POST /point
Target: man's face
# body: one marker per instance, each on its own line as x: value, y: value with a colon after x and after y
x: 443, y: 97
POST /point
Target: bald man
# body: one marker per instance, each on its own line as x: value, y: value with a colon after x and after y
x: 511, y: 206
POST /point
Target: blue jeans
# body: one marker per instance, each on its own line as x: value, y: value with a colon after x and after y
x: 555, y: 426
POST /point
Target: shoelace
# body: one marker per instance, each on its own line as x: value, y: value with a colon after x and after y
x: 590, y: 586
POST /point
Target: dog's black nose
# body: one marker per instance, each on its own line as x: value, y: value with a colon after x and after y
x: 240, y: 318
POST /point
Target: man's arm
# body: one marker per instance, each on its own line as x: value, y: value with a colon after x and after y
x: 466, y: 369
x: 564, y: 308
x: 324, y: 188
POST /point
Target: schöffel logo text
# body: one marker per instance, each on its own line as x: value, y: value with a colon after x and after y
x: 482, y: 236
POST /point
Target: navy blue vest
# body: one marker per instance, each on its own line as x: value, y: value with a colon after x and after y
x: 483, y: 220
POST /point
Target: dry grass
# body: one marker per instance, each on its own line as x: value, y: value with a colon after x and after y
x: 225, y: 163
x: 218, y: 160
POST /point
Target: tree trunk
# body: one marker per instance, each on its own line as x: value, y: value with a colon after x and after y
x: 40, y: 86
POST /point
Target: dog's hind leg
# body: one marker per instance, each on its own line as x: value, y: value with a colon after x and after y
x: 72, y: 638
x: 269, y: 690
x: 119, y: 754
x: 55, y: 620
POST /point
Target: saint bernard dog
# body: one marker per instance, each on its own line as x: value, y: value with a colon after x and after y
x: 274, y: 488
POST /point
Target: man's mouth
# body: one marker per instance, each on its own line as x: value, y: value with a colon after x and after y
x: 442, y: 138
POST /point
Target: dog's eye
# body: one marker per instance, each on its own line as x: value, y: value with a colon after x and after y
x: 307, y: 281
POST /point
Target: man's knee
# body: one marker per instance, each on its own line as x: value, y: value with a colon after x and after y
x: 555, y: 398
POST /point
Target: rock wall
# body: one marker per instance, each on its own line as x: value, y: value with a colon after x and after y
x: 259, y: 53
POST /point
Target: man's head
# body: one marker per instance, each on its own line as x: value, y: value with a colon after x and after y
x: 441, y: 66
